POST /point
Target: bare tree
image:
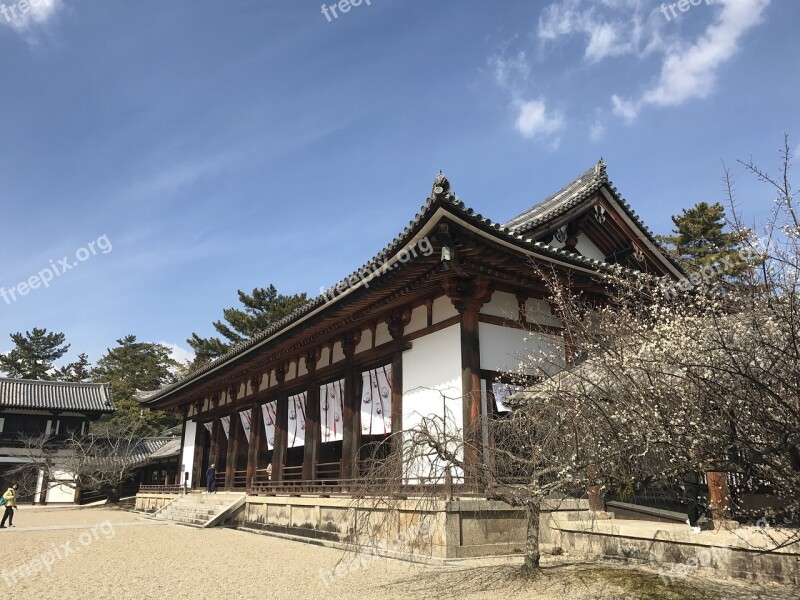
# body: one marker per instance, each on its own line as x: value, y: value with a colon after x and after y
x: 545, y: 449
x: 102, y: 461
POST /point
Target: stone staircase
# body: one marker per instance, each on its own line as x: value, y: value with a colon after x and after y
x: 199, y: 509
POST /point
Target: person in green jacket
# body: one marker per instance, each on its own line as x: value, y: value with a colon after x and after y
x: 11, y: 503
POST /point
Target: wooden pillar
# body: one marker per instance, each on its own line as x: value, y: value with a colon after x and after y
x: 397, y: 401
x: 593, y: 490
x: 313, y: 428
x: 255, y: 443
x: 397, y: 325
x: 351, y: 418
x: 197, y: 465
x: 281, y: 427
x: 230, y: 457
x: 233, y: 438
x: 719, y: 497
x: 468, y: 297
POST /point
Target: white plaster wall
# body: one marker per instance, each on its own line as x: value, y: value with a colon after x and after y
x: 382, y: 335
x: 187, y: 452
x: 366, y: 341
x: 510, y: 350
x: 503, y: 305
x: 60, y: 493
x: 443, y: 309
x: 538, y: 311
x: 419, y: 319
x: 338, y: 353
x: 432, y: 386
x: 584, y: 246
x: 301, y: 368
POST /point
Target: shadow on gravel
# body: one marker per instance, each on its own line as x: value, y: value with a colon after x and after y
x: 571, y: 581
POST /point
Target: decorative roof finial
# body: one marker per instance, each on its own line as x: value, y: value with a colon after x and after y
x: 600, y: 168
x: 441, y: 186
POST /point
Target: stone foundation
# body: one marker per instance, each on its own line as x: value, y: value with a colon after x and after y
x: 412, y: 528
x: 150, y: 503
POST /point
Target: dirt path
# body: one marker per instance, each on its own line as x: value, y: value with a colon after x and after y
x: 102, y: 553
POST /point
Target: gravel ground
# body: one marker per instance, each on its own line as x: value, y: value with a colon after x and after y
x: 103, y: 553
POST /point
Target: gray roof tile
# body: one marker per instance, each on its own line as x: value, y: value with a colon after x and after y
x: 55, y: 396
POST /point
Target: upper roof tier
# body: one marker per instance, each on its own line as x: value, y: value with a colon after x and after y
x: 26, y: 394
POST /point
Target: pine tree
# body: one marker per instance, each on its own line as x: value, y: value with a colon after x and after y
x: 700, y: 240
x: 132, y: 366
x: 261, y: 309
x: 33, y: 354
x: 76, y: 371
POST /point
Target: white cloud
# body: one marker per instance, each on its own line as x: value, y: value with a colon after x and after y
x: 23, y: 16
x: 597, y: 131
x: 510, y: 73
x: 534, y: 120
x: 178, y: 353
x: 531, y: 117
x: 611, y: 27
x: 689, y: 72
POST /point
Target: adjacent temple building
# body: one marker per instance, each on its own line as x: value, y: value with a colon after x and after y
x: 30, y: 410
x: 433, y: 324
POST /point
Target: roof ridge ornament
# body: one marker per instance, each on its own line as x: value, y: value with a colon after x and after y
x: 441, y: 187
x: 600, y: 169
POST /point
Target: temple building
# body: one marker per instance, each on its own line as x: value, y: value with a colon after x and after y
x: 34, y: 409
x: 431, y: 325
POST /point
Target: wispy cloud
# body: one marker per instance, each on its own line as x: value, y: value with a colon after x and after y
x: 690, y: 72
x: 611, y: 27
x: 532, y: 118
x: 178, y: 353
x: 25, y: 15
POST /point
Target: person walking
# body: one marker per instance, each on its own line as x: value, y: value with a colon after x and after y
x: 10, y: 498
x: 211, y: 479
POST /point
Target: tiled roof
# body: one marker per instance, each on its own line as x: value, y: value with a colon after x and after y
x: 151, y: 449
x: 563, y: 200
x: 55, y: 395
x: 570, y: 196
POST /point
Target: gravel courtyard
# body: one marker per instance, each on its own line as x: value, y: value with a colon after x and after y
x: 105, y: 553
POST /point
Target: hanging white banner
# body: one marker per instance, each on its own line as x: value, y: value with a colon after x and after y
x: 246, y: 417
x: 226, y: 426
x: 376, y: 401
x: 296, y: 434
x: 268, y: 411
x: 331, y: 406
x: 208, y: 426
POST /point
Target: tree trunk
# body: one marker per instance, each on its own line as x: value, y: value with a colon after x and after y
x: 532, y: 554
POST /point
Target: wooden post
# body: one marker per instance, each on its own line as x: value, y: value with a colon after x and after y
x: 397, y: 406
x: 255, y: 444
x: 468, y: 297
x: 233, y: 449
x: 719, y: 496
x: 313, y: 428
x: 351, y: 419
x: 593, y: 491
x: 281, y: 427
x: 200, y: 434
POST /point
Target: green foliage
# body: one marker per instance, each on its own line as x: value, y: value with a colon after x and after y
x: 700, y: 240
x: 135, y: 366
x: 75, y: 371
x: 33, y: 355
x: 261, y: 309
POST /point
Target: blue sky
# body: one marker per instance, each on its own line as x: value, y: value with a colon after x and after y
x: 227, y: 145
